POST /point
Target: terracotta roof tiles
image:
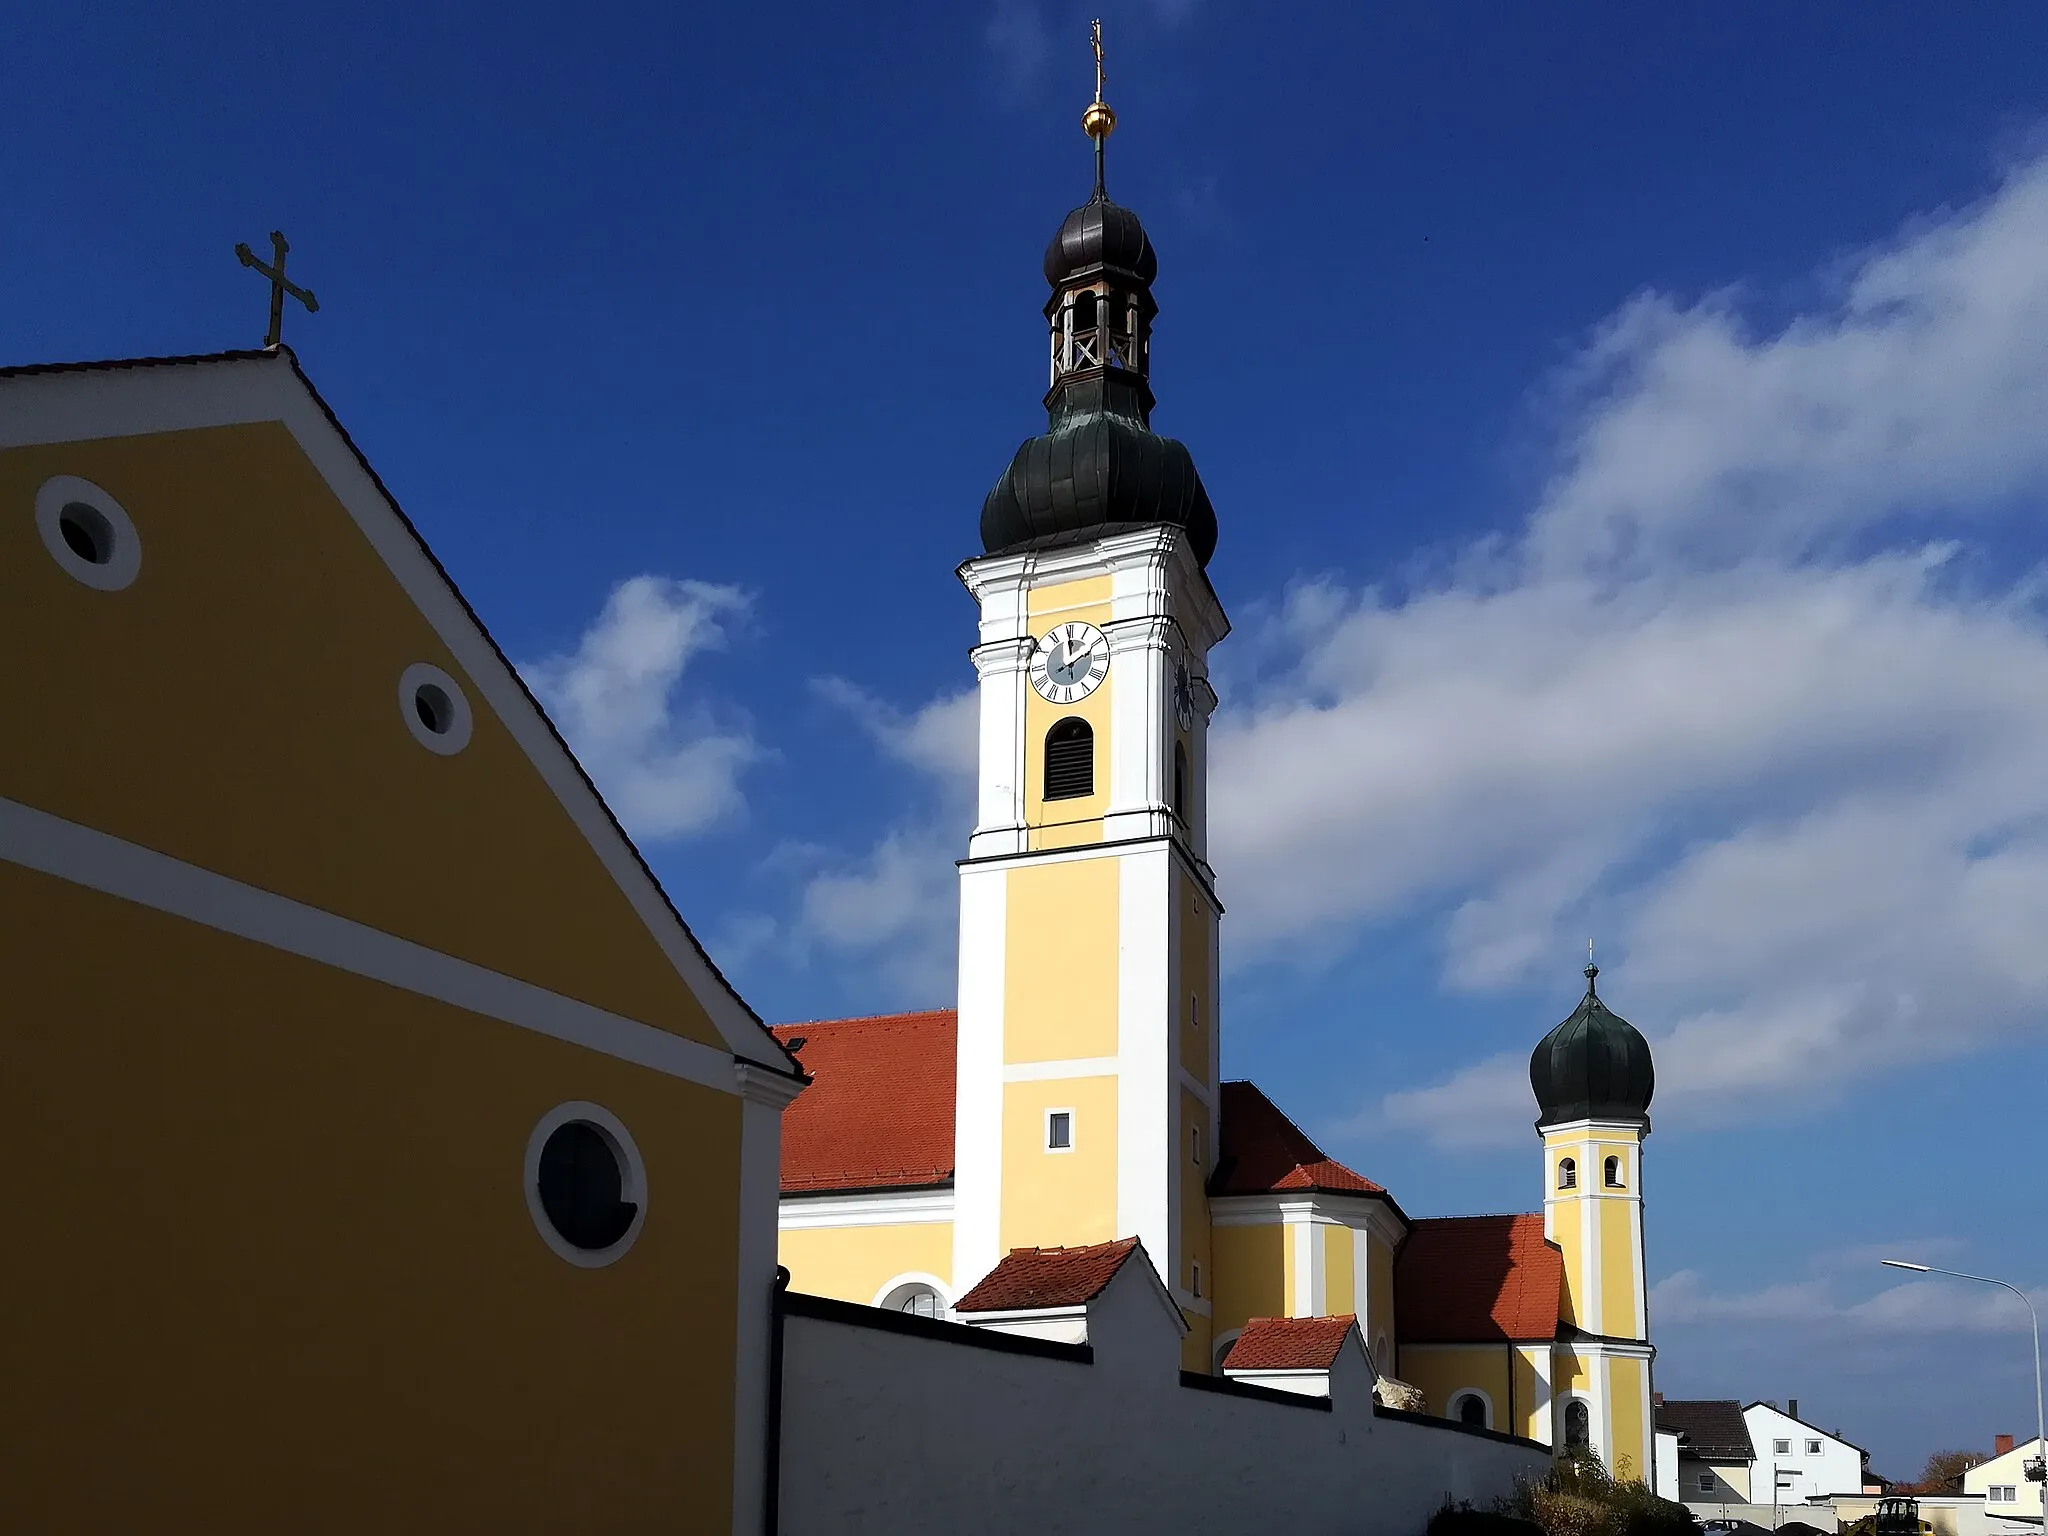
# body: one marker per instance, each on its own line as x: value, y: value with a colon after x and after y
x: 879, y: 1111
x: 1289, y: 1343
x: 1473, y: 1279
x: 1048, y: 1277
x: 1263, y: 1151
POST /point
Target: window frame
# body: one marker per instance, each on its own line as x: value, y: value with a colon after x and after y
x: 1064, y: 1114
x: 1567, y: 1173
x: 1613, y: 1173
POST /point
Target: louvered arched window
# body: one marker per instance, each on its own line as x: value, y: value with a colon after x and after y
x: 1567, y: 1173
x: 1180, y: 783
x: 1069, y: 760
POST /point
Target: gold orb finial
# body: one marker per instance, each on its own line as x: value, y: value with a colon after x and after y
x: 1098, y: 120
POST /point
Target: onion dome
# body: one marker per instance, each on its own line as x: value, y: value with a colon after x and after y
x: 1097, y: 234
x: 1099, y: 469
x: 1593, y: 1066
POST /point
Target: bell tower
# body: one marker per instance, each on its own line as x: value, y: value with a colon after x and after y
x: 1593, y: 1079
x: 1087, y: 1092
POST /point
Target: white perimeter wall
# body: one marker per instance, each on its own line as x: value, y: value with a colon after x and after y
x: 913, y: 1432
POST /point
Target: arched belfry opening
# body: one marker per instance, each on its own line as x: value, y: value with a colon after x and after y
x: 1070, y: 760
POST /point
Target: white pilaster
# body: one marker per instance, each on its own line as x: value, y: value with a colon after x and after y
x: 978, y: 1080
x: 1148, y: 1082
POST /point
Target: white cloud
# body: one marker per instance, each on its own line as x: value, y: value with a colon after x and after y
x: 1915, y: 1308
x: 889, y: 913
x: 664, y: 767
x: 1720, y: 700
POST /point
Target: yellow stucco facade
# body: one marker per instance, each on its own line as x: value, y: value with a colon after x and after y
x: 857, y: 1263
x: 290, y: 1001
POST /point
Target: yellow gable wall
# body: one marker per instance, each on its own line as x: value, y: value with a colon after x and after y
x: 277, y: 1241
x: 1059, y: 1199
x: 1060, y: 961
x: 854, y: 1263
x: 1065, y: 823
x: 1251, y: 1274
x: 237, y: 707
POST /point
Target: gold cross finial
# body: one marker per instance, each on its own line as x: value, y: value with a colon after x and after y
x: 279, y: 287
x: 1098, y: 120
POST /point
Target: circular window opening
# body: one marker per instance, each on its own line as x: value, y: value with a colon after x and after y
x: 87, y: 533
x: 435, y: 708
x: 585, y: 1184
x: 436, y: 711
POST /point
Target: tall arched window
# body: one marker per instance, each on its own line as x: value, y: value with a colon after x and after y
x: 1069, y: 760
x: 1180, y: 783
x: 1611, y: 1175
x: 1578, y: 1426
x: 1567, y: 1173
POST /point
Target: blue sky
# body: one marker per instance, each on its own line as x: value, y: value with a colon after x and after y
x: 1626, y: 431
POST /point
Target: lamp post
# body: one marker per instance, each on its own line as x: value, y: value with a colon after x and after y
x: 2037, y: 1473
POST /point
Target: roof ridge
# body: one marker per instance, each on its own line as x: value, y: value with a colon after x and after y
x: 872, y: 1018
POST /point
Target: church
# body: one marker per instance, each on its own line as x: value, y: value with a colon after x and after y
x: 1073, y: 1096
x: 394, y: 1156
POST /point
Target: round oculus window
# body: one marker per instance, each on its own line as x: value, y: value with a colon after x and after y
x: 88, y: 533
x: 585, y: 1184
x: 434, y: 708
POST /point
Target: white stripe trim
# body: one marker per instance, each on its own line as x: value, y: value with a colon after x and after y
x: 37, y: 840
x: 97, y: 403
x: 1051, y: 1071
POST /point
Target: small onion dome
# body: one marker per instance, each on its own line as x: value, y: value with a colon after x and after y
x: 1100, y: 233
x: 1593, y: 1066
x: 1096, y: 474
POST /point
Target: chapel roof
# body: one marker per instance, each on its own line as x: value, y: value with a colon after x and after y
x: 1048, y: 1277
x: 879, y: 1111
x: 1710, y: 1428
x: 1473, y: 1279
x: 1261, y: 1151
x: 1289, y: 1343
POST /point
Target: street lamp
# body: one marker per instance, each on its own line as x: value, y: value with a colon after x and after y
x: 2037, y: 1469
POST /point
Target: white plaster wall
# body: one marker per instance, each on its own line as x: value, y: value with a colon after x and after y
x: 1665, y: 1482
x: 1837, y: 1469
x: 890, y: 1432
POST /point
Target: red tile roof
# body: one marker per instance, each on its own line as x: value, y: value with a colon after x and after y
x: 1289, y: 1343
x: 879, y: 1111
x: 1263, y: 1151
x: 1048, y: 1277
x: 1473, y: 1279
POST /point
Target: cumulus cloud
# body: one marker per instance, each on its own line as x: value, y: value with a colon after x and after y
x: 664, y: 766
x: 890, y: 911
x: 1748, y: 693
x: 1916, y: 1308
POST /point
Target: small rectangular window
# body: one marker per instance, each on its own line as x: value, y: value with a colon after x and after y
x: 1059, y: 1130
x: 1706, y: 1482
x: 1195, y: 1280
x: 1813, y: 1447
x: 1781, y: 1447
x: 1195, y: 1143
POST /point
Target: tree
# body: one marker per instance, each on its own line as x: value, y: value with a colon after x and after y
x: 1944, y: 1471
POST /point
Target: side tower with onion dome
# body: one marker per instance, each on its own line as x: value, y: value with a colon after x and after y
x: 1593, y: 1080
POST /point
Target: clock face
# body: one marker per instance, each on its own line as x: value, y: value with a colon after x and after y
x: 1070, y: 662
x: 1183, y: 697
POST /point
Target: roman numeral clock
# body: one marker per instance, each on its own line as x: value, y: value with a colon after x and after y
x: 1070, y: 662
